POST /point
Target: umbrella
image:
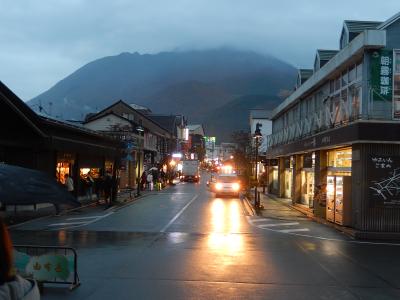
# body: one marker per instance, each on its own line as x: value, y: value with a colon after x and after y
x: 22, y: 186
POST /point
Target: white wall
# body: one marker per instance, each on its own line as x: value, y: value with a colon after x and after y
x: 105, y: 123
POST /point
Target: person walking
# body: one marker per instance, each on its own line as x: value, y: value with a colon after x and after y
x: 150, y: 181
x: 69, y: 183
x: 143, y: 180
x: 108, y: 183
x: 13, y: 286
x: 89, y: 186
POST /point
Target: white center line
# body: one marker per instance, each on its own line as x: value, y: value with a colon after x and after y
x: 279, y: 224
x: 178, y: 214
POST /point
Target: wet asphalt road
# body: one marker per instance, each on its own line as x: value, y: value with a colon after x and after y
x: 183, y: 243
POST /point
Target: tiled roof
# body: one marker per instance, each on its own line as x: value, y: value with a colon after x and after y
x: 360, y: 26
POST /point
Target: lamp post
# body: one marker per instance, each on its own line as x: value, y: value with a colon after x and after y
x: 139, y: 129
x: 257, y: 136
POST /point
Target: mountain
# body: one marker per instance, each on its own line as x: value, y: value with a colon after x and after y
x: 234, y: 116
x: 194, y: 83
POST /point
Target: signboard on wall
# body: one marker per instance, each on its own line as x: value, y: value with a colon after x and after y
x: 383, y: 180
x: 382, y: 75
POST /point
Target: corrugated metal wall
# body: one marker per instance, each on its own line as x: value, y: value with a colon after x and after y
x: 366, y: 216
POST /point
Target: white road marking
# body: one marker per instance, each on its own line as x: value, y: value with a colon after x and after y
x: 66, y: 223
x: 293, y: 230
x: 80, y: 224
x: 260, y: 220
x: 278, y: 224
x: 83, y: 218
x: 178, y: 214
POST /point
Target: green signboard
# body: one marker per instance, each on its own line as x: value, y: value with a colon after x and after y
x: 382, y: 75
x: 47, y: 267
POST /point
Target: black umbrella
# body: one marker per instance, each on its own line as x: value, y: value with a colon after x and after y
x: 21, y: 186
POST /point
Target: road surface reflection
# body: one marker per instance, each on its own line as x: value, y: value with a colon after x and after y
x: 225, y: 225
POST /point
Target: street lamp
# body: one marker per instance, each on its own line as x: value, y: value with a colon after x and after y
x: 257, y: 136
x: 140, y: 130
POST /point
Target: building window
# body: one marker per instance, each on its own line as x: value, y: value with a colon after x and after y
x: 359, y: 71
x: 352, y: 74
x: 340, y: 158
x: 396, y: 86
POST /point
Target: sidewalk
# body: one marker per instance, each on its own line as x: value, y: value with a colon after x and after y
x: 278, y: 208
x: 281, y: 208
x: 124, y: 196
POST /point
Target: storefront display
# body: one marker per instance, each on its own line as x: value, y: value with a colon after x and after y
x: 340, y: 158
x: 288, y: 183
x: 275, y: 185
x: 62, y: 169
x: 307, y: 187
x: 338, y: 208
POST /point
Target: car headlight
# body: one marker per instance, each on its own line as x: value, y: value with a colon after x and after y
x: 236, y: 186
x: 218, y: 186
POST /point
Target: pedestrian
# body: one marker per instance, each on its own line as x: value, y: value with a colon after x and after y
x: 143, y: 180
x: 89, y: 186
x: 156, y: 179
x: 107, y: 188
x: 150, y: 181
x: 13, y: 286
x: 69, y: 183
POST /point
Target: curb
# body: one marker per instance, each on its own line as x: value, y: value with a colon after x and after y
x: 248, y: 207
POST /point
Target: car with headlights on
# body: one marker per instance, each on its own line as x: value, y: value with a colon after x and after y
x: 226, y: 184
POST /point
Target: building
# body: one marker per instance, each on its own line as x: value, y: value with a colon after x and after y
x: 177, y: 126
x: 55, y: 147
x: 146, y: 142
x: 196, y: 143
x: 334, y: 148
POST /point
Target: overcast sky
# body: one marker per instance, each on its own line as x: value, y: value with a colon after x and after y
x: 42, y: 41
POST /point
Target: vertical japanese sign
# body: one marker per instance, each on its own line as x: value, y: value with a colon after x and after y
x: 384, y: 180
x: 382, y: 75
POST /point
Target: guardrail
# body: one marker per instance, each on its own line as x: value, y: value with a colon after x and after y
x: 47, y: 264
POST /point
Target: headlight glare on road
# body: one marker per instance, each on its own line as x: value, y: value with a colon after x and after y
x: 236, y: 186
x: 218, y: 186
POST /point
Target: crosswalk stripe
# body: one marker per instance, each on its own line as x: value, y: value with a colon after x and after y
x: 293, y: 230
x: 279, y: 224
x: 260, y: 220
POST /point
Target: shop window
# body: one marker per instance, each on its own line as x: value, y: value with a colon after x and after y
x: 340, y: 158
x: 62, y: 169
x: 307, y: 187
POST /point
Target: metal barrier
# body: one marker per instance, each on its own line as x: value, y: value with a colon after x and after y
x: 47, y: 264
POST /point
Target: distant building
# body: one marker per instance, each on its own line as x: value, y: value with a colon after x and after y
x: 196, y: 143
x: 146, y: 142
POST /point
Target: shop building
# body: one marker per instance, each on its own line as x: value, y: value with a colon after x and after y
x: 55, y: 147
x: 146, y: 143
x: 335, y: 142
